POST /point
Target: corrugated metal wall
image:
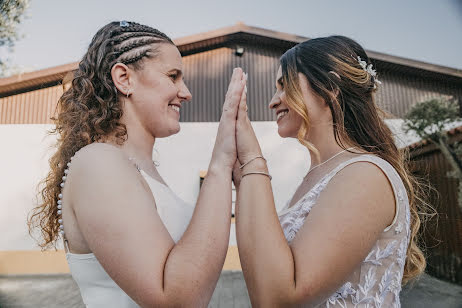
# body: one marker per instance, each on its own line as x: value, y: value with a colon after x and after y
x: 207, y: 75
x: 443, y: 236
x: 398, y: 92
x: 34, y: 107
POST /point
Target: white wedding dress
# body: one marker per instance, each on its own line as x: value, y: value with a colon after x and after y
x: 96, y: 287
x: 376, y: 282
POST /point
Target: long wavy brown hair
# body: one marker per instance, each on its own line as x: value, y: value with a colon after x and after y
x: 90, y: 110
x: 332, y: 68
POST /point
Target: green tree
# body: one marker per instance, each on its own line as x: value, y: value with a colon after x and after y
x: 429, y: 121
x: 11, y: 15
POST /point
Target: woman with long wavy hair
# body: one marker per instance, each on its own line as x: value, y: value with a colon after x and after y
x: 347, y: 237
x: 129, y: 239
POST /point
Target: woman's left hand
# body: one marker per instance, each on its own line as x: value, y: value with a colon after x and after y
x: 246, y: 141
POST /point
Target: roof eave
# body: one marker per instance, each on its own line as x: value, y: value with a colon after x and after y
x: 35, y: 79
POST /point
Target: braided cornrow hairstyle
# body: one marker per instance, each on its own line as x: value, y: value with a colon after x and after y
x: 91, y: 109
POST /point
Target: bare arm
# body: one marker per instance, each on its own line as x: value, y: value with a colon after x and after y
x: 116, y: 214
x: 337, y: 235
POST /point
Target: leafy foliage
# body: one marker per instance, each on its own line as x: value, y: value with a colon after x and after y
x: 11, y: 15
x: 428, y: 119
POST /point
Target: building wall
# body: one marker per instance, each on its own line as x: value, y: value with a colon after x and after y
x: 23, y: 161
x: 207, y: 75
x: 25, y: 117
x: 399, y: 92
x: 443, y: 233
x: 33, y: 107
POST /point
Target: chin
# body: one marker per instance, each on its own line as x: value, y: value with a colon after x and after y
x: 284, y: 132
x: 168, y: 132
x: 173, y: 130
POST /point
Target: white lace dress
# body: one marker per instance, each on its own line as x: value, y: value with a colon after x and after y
x: 376, y: 282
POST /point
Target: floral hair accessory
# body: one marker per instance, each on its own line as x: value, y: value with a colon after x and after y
x: 124, y: 23
x: 368, y: 68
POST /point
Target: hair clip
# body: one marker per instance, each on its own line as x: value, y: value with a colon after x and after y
x: 124, y: 23
x: 368, y: 68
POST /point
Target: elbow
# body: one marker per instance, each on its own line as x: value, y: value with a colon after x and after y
x: 308, y: 295
x: 303, y: 297
x: 176, y: 300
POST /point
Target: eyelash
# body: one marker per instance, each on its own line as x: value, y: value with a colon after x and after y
x: 173, y: 76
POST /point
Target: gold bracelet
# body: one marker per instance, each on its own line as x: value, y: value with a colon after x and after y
x: 243, y: 165
x: 257, y: 172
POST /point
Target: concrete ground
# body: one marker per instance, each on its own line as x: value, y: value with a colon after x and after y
x: 61, y: 291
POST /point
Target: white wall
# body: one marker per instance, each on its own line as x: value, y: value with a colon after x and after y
x: 26, y: 148
x: 24, y: 162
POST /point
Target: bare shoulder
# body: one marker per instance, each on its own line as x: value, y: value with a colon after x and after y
x: 98, y: 152
x: 364, y: 188
x: 100, y: 166
x: 97, y: 157
x: 364, y: 169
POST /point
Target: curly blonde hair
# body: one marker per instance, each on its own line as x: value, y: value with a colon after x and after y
x: 90, y: 110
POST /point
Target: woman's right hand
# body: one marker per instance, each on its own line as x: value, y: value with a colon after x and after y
x: 246, y: 143
x: 224, y: 152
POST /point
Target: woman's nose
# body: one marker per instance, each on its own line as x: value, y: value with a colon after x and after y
x: 184, y: 93
x: 275, y: 101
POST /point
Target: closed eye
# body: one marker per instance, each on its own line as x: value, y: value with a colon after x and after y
x: 174, y: 74
x: 281, y: 83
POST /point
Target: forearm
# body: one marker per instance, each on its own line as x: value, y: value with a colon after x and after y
x: 266, y: 258
x: 195, y: 262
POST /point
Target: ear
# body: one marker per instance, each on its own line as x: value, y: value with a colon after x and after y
x: 120, y: 74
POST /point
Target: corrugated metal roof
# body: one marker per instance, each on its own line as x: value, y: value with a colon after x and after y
x: 453, y: 133
x: 34, y: 107
x: 218, y: 38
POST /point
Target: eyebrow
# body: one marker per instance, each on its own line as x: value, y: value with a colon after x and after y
x: 175, y: 70
x: 280, y: 81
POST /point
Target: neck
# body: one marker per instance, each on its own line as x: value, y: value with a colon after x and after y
x: 139, y: 147
x: 140, y: 143
x: 325, y: 143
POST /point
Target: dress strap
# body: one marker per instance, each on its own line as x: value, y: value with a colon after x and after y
x: 393, y: 178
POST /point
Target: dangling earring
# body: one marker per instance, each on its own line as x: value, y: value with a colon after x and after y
x: 128, y: 93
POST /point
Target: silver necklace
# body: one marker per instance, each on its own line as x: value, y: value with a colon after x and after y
x: 311, y: 169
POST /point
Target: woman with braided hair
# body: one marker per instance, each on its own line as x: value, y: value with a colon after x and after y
x: 129, y: 240
x: 348, y: 236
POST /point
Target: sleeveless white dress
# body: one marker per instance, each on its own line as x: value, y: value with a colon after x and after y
x: 96, y: 286
x: 376, y: 282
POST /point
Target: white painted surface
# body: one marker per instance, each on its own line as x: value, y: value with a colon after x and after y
x: 26, y: 148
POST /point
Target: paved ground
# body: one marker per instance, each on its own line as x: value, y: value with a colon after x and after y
x: 60, y: 291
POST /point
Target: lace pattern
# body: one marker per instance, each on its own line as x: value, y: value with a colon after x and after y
x: 381, y: 271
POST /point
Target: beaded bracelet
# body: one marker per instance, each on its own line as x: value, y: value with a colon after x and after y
x: 243, y: 165
x: 257, y: 172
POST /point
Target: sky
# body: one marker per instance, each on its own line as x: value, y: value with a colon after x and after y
x: 58, y: 31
